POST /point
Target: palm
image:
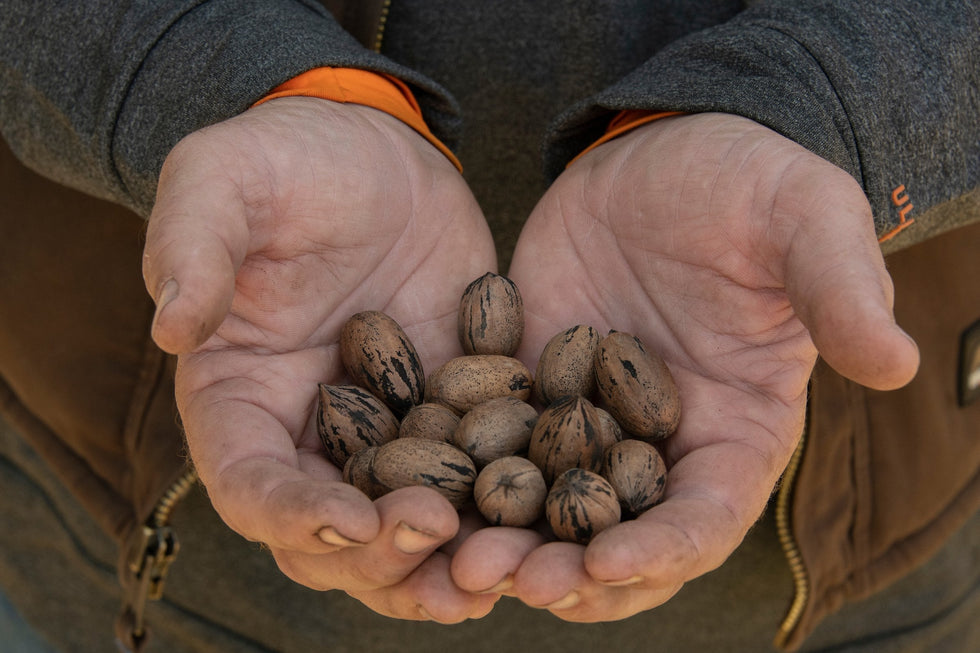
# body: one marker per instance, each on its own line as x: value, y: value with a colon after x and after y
x: 316, y: 223
x: 683, y: 260
x: 687, y: 234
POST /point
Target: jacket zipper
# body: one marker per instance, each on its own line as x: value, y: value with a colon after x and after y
x: 158, y: 549
x: 382, y: 21
x: 177, y: 491
x: 801, y: 583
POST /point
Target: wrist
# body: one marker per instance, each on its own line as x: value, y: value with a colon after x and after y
x: 364, y: 87
x: 623, y: 122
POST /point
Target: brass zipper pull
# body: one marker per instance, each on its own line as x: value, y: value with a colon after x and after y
x: 158, y: 551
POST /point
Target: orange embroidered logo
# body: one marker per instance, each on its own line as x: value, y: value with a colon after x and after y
x: 900, y: 198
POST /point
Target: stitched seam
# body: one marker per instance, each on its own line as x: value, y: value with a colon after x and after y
x: 837, y: 95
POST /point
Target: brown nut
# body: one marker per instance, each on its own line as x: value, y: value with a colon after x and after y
x: 378, y: 356
x: 430, y: 421
x: 357, y: 472
x: 491, y: 316
x: 416, y: 461
x: 566, y: 436
x: 610, y: 432
x: 463, y: 382
x: 580, y: 505
x: 636, y: 387
x: 510, y: 491
x: 496, y: 428
x: 637, y: 473
x: 565, y: 365
x: 349, y: 419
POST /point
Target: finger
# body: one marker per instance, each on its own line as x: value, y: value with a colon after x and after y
x: 554, y: 578
x: 550, y: 575
x: 256, y: 478
x: 428, y: 594
x: 487, y: 560
x: 279, y: 505
x: 196, y: 240
x: 838, y: 284
x: 715, y: 494
x: 470, y: 522
x: 414, y: 522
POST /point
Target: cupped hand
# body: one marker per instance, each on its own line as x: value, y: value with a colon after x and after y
x: 269, y: 231
x: 738, y: 256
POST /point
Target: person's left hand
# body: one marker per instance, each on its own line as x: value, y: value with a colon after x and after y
x: 737, y: 255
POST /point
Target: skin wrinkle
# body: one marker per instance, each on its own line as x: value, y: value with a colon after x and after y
x: 696, y: 157
x: 735, y: 520
x: 793, y: 241
x: 766, y: 456
x: 749, y: 248
x: 272, y: 325
x: 308, y: 569
x: 241, y: 389
x: 411, y: 185
x: 411, y: 224
x: 296, y: 573
x: 729, y: 278
x: 673, y: 330
x: 193, y: 143
x: 751, y: 335
x: 759, y: 141
x: 313, y: 182
x: 262, y: 492
x: 579, y: 239
x: 662, y: 302
x: 791, y: 410
x: 601, y: 217
x: 762, y: 386
x: 693, y: 551
x: 226, y: 483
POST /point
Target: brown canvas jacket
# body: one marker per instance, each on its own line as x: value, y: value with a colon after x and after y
x: 886, y: 477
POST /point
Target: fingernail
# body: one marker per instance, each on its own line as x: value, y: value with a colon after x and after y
x: 570, y: 600
x: 505, y: 584
x: 411, y: 540
x: 167, y: 293
x: 330, y: 535
x: 632, y: 580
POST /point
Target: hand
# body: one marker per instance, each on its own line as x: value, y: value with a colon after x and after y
x: 269, y: 231
x: 738, y: 255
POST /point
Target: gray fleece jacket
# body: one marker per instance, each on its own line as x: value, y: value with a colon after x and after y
x: 94, y: 94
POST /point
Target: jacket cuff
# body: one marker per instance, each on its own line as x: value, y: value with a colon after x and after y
x: 747, y: 70
x: 623, y: 122
x: 230, y: 53
x: 355, y: 86
x: 822, y: 75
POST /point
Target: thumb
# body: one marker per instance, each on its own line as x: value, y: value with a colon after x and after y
x: 839, y: 287
x: 195, y: 242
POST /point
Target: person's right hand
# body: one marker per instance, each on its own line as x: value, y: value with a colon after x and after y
x: 269, y: 231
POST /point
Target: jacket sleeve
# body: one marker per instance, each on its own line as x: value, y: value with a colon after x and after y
x: 94, y: 94
x: 886, y: 90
